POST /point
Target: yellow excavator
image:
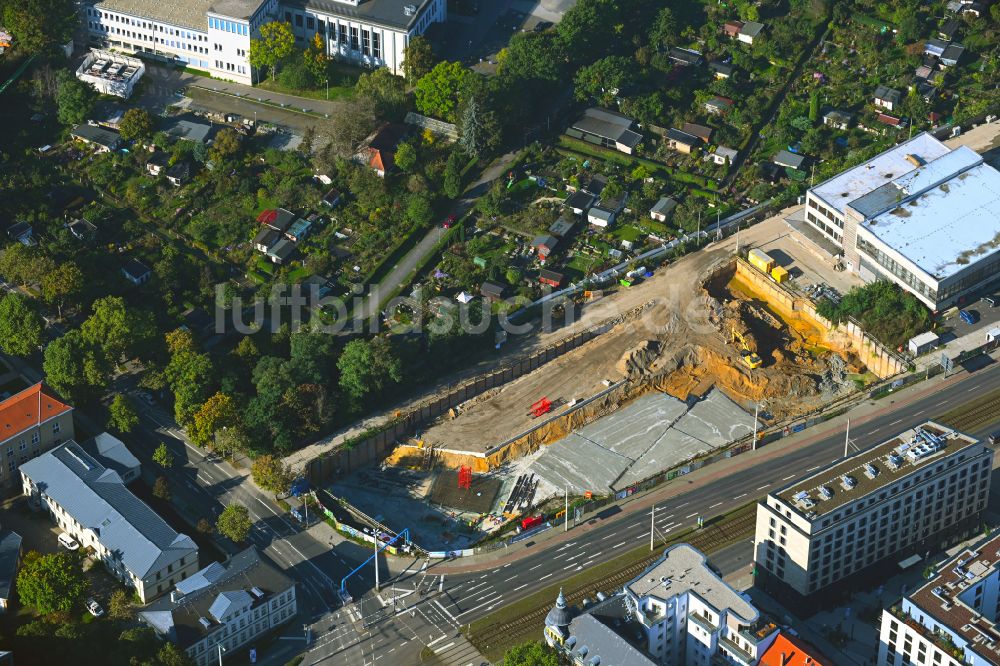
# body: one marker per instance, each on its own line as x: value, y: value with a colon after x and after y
x: 750, y: 357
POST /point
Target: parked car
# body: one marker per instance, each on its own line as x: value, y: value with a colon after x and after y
x: 968, y: 316
x: 995, y: 438
x: 94, y: 608
x: 68, y: 542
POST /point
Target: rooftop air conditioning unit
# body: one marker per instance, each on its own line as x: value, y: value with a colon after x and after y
x: 409, y: 10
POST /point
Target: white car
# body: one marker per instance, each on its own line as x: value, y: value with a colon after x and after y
x: 68, y: 542
x: 94, y: 608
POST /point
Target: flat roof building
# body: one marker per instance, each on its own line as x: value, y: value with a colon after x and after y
x: 909, y: 494
x: 950, y: 620
x: 919, y: 214
x: 214, y: 35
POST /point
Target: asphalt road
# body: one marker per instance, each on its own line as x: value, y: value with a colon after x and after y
x: 450, y: 600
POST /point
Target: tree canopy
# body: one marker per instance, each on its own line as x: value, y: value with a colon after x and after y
x: 121, y: 414
x: 418, y: 58
x: 234, y: 523
x: 271, y: 474
x: 533, y: 653
x: 51, y: 583
x: 74, y: 99
x: 437, y: 92
x: 384, y: 91
x: 275, y: 44
x: 136, y: 123
x: 21, y: 327
x: 368, y: 366
x: 39, y: 25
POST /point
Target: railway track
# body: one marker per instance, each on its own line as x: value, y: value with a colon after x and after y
x: 974, y: 414
x: 710, y: 539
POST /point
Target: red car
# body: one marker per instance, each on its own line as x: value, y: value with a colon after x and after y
x: 450, y: 220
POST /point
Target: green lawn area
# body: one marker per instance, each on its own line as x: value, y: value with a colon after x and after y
x: 298, y: 274
x: 590, y: 150
x: 582, y: 263
x: 627, y: 232
x: 265, y: 266
x: 342, y: 82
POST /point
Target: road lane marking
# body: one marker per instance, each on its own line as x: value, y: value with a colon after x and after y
x: 764, y: 486
x: 548, y: 575
x: 538, y: 565
x: 740, y: 496
x: 896, y: 421
x: 715, y: 505
x: 617, y: 545
x: 812, y: 468
x: 520, y: 588
x: 692, y: 515
x: 683, y: 505
x: 790, y: 476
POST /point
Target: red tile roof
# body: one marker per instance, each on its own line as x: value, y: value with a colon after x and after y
x: 789, y: 651
x: 28, y: 408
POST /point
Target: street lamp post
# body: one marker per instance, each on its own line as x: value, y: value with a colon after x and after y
x: 328, y: 89
x: 221, y: 650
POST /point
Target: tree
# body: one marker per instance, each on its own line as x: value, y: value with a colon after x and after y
x: 271, y: 474
x: 21, y: 326
x: 347, y: 129
x: 406, y: 156
x: 814, y: 106
x: 436, y: 92
x: 479, y: 129
x: 275, y: 44
x: 385, y: 91
x: 63, y: 282
x: 418, y: 211
x: 234, y: 522
x: 418, y: 59
x: 368, y: 366
x: 225, y: 145
x: 136, y: 123
x: 51, y: 583
x: 190, y: 376
x: 72, y: 367
x: 218, y: 412
x: 162, y: 456
x: 39, y: 25
x: 204, y: 527
x: 582, y: 29
x: 532, y: 653
x: 122, y: 415
x: 116, y: 329
x: 605, y: 79
x: 120, y: 606
x: 315, y: 58
x: 74, y: 99
x: 161, y: 489
x: 452, y: 183
x: 663, y: 33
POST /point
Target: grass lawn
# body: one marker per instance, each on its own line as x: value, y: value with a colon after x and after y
x: 627, y: 232
x: 298, y: 274
x: 264, y: 265
x: 582, y: 263
x: 342, y: 80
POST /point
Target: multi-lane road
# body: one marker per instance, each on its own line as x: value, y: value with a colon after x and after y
x: 433, y: 600
x: 469, y: 594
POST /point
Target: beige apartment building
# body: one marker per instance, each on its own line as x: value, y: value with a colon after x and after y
x: 31, y: 422
x: 911, y: 494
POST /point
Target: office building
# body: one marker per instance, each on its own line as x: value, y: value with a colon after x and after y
x: 91, y: 504
x: 910, y: 494
x: 32, y: 422
x: 920, y: 214
x: 678, y: 611
x: 224, y: 607
x: 952, y: 618
x: 214, y: 35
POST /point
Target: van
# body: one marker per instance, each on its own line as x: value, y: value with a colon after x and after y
x: 967, y: 317
x: 990, y: 300
x: 68, y: 542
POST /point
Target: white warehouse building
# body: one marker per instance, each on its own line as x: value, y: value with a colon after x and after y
x: 214, y: 35
x: 920, y: 214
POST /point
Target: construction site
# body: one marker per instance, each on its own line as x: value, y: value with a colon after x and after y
x: 710, y: 349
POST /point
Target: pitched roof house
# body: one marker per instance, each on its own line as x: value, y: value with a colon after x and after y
x: 606, y: 128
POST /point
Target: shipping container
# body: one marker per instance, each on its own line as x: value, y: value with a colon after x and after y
x: 779, y: 274
x: 761, y: 260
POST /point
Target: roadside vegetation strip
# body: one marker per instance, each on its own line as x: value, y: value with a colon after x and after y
x: 524, y: 619
x: 977, y: 412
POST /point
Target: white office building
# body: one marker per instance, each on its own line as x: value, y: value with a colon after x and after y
x: 952, y: 618
x: 214, y: 35
x: 911, y: 494
x: 920, y: 214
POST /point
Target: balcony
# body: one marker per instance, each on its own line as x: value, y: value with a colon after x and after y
x: 651, y: 617
x: 703, y: 622
x: 755, y: 635
x: 739, y: 655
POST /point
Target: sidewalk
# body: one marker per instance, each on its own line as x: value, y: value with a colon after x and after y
x: 639, y: 504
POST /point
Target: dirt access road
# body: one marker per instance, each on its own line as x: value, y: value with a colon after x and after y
x: 673, y: 288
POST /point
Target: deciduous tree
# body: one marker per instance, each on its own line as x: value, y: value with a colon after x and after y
x: 38, y: 25
x: 271, y: 474
x: 225, y: 146
x: 63, y: 282
x: 218, y: 412
x: 161, y: 489
x: 51, y: 583
x: 368, y: 366
x: 121, y: 414
x: 116, y: 329
x: 162, y: 456
x: 406, y: 156
x: 73, y: 367
x: 136, y: 123
x: 234, y: 523
x: 21, y: 326
x: 74, y: 99
x: 120, y: 606
x: 385, y: 91
x: 190, y: 375
x: 533, y: 653
x: 275, y: 44
x: 316, y: 60
x: 418, y: 59
x: 437, y: 91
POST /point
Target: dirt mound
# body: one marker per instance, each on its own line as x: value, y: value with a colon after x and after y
x: 639, y: 360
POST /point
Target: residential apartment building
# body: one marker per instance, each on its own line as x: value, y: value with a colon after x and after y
x: 677, y: 612
x: 224, y: 605
x: 91, y: 504
x: 910, y: 494
x: 920, y: 215
x: 215, y: 35
x: 31, y: 423
x: 952, y: 618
